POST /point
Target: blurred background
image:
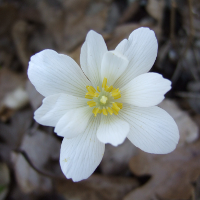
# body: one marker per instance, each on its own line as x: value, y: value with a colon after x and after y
x: 29, y: 152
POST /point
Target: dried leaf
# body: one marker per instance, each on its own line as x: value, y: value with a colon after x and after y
x: 34, y: 96
x: 97, y: 187
x: 115, y: 160
x: 40, y: 148
x: 172, y: 174
x: 188, y: 129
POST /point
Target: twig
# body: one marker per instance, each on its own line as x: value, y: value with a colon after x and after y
x: 48, y: 174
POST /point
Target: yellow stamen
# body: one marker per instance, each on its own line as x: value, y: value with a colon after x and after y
x: 120, y: 105
x: 93, y: 94
x: 95, y: 111
x: 114, y: 111
x: 115, y: 107
x: 91, y: 103
x: 104, y: 83
x: 110, y: 110
x: 98, y: 89
x: 106, y: 88
x: 115, y: 92
x: 118, y: 96
x: 104, y: 111
x: 88, y: 97
x: 109, y: 89
x: 103, y: 99
x: 91, y: 89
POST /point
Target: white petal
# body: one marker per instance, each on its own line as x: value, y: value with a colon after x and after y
x: 145, y: 90
x: 74, y: 122
x: 121, y: 47
x: 152, y: 130
x: 112, y: 130
x: 53, y: 73
x: 141, y: 51
x: 80, y: 156
x: 55, y: 106
x: 112, y: 66
x: 91, y: 57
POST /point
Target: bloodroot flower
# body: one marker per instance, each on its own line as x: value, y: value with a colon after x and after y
x: 109, y: 98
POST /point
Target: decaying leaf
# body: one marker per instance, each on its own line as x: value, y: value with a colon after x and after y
x: 97, y: 187
x: 41, y: 148
x: 35, y: 97
x: 12, y: 94
x: 188, y: 129
x: 115, y: 160
x: 172, y: 174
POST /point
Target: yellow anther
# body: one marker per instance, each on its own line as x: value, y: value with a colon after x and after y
x: 103, y: 99
x: 114, y: 111
x: 117, y: 97
x: 93, y: 94
x: 97, y: 94
x: 91, y: 103
x: 106, y: 88
x: 115, y: 107
x: 95, y: 111
x: 109, y: 89
x: 91, y: 89
x: 88, y: 97
x: 104, y: 83
x: 110, y: 110
x: 104, y: 111
x: 115, y: 92
x: 120, y: 105
x: 98, y: 89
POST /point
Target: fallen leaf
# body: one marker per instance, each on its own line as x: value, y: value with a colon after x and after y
x: 189, y: 131
x: 116, y: 159
x: 40, y: 148
x: 172, y: 175
x: 97, y: 187
x: 34, y: 96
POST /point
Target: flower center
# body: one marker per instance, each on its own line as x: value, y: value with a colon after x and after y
x: 104, y: 99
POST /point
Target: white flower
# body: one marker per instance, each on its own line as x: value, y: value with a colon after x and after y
x: 109, y: 98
